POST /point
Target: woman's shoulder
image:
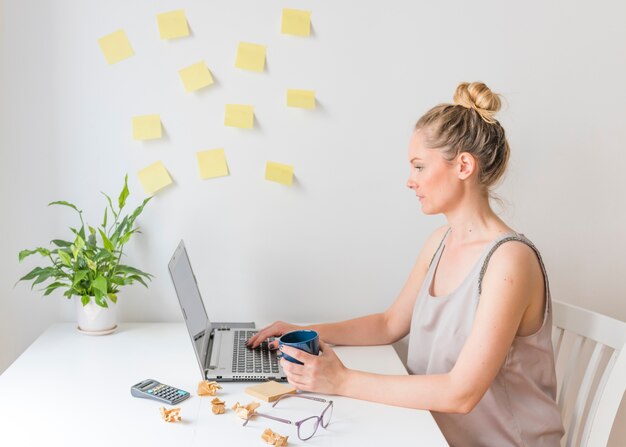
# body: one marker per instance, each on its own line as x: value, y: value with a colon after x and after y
x: 515, y: 256
x: 436, y: 237
x: 514, y: 247
x: 432, y: 243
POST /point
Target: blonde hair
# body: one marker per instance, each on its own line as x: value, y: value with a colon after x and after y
x: 469, y: 126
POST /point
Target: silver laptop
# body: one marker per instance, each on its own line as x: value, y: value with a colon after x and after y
x: 220, y: 347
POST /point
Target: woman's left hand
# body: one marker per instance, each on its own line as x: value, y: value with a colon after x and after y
x: 322, y: 373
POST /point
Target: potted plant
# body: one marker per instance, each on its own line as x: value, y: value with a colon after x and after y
x: 90, y: 268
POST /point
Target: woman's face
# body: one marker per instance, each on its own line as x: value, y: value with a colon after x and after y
x: 434, y: 179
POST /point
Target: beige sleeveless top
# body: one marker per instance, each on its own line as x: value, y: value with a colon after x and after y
x: 519, y: 408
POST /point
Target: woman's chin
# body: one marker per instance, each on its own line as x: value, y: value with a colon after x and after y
x: 428, y: 210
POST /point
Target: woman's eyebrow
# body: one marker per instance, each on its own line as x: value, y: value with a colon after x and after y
x: 415, y: 159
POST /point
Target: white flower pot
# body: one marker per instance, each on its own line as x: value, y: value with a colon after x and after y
x: 95, y: 320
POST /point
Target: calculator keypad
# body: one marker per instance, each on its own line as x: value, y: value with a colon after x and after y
x: 164, y: 393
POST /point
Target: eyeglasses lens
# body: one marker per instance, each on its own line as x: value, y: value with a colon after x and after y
x: 328, y: 413
x: 308, y: 427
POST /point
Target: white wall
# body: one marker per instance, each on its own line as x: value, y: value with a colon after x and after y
x: 342, y: 240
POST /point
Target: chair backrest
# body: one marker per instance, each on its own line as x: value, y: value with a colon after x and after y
x: 591, y: 372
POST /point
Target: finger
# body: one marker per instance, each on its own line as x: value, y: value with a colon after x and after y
x: 301, y: 386
x: 292, y: 368
x: 294, y: 384
x: 301, y: 381
x: 325, y: 348
x: 273, y: 345
x: 297, y: 354
x: 264, y: 333
x: 252, y: 339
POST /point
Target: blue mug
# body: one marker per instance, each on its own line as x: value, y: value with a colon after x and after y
x: 305, y: 340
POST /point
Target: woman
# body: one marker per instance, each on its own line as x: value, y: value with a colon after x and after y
x: 476, y: 305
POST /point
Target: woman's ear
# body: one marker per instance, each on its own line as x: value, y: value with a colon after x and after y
x: 466, y: 165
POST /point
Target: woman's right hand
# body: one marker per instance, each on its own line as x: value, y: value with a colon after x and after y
x: 275, y: 329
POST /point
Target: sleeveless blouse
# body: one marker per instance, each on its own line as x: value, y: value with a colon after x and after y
x: 519, y: 408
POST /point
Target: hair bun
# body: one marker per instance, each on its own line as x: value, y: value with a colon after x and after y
x: 477, y: 96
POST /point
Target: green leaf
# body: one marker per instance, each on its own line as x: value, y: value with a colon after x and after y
x: 78, y: 292
x: 112, y: 297
x: 92, y: 265
x: 30, y: 275
x: 91, y: 238
x: 118, y: 280
x: 105, y: 240
x: 127, y: 236
x: 60, y: 243
x: 100, y: 284
x: 55, y: 285
x: 138, y: 211
x: 44, y: 274
x: 68, y: 293
x: 104, y: 220
x: 118, y: 230
x: 79, y: 243
x: 42, y: 251
x: 79, y: 276
x: 64, y: 203
x: 131, y: 270
x: 104, y: 255
x: 138, y: 279
x: 110, y: 203
x: 85, y: 300
x: 124, y: 194
x: 65, y: 258
x: 100, y: 299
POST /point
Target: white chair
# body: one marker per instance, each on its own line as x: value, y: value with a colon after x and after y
x: 591, y: 372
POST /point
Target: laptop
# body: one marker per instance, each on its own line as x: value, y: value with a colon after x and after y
x: 220, y: 347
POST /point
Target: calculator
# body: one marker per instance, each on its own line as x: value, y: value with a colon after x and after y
x: 152, y: 389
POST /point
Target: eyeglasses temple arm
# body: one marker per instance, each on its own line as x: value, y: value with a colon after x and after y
x: 319, y: 399
x: 268, y: 417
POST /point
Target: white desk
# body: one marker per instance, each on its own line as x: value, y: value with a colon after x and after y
x: 70, y: 389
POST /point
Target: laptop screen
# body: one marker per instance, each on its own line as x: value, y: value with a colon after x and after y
x: 190, y: 300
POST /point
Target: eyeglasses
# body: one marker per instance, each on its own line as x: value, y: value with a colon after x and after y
x: 308, y: 426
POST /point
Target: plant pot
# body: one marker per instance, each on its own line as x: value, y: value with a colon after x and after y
x: 95, y: 320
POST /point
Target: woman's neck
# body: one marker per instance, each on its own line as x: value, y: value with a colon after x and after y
x: 474, y: 220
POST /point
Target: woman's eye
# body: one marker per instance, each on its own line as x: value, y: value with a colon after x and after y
x: 419, y: 168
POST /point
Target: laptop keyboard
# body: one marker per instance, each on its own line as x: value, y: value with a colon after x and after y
x: 259, y: 360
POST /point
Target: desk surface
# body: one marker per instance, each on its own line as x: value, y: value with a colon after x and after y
x: 72, y: 389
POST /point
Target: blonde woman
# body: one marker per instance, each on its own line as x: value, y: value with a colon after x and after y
x: 476, y: 305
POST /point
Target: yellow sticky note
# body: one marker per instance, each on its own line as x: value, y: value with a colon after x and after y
x: 173, y: 24
x: 212, y: 163
x: 115, y: 47
x: 146, y: 127
x: 154, y: 177
x: 250, y: 56
x: 195, y: 76
x: 296, y: 22
x: 239, y: 115
x: 305, y: 99
x: 277, y: 172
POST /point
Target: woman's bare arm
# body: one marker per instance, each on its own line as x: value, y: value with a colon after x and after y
x: 376, y: 329
x: 503, y: 302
